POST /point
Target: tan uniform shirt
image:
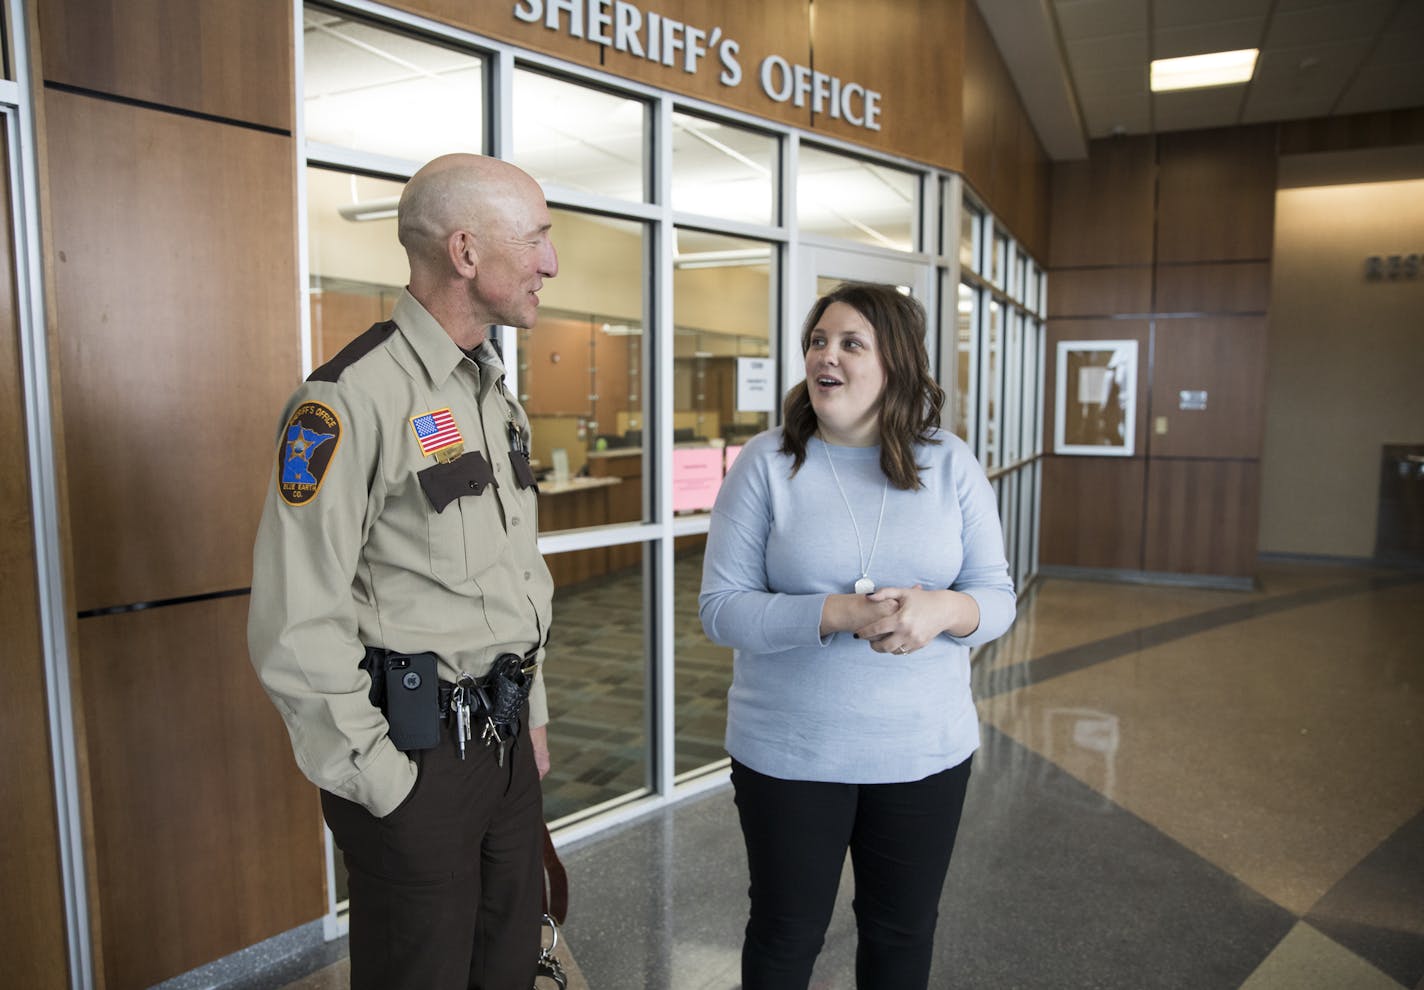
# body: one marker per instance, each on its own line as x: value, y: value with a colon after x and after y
x: 351, y: 553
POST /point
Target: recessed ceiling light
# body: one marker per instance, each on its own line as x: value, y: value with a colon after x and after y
x: 1201, y: 71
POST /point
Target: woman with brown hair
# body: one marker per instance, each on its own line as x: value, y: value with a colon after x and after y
x: 854, y: 557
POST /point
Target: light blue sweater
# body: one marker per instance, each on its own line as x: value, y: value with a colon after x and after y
x: 806, y: 708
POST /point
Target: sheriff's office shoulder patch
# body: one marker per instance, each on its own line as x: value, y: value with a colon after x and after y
x: 308, y: 444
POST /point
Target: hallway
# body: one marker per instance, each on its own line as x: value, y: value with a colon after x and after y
x: 1178, y: 788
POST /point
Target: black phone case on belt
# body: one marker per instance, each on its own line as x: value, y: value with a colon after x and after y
x: 413, y: 700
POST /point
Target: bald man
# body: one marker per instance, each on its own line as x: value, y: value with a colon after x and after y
x: 397, y: 573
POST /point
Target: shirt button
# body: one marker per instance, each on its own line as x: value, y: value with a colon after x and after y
x: 514, y: 521
x: 526, y: 575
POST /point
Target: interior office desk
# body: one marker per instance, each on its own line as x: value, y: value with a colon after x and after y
x: 576, y: 504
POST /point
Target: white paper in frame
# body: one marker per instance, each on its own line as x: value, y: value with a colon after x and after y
x: 1095, y: 398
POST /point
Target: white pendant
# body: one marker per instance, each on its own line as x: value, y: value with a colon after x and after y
x: 864, y: 586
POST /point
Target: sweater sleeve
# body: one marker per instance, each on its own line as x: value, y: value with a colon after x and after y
x: 737, y: 606
x: 984, y: 574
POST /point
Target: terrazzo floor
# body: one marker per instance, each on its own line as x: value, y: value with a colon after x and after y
x: 1177, y: 788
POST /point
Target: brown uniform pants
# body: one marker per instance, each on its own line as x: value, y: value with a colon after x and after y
x: 446, y: 891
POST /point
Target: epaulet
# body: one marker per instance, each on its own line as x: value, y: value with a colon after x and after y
x: 353, y: 352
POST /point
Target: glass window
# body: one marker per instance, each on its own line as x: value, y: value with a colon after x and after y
x: 578, y: 138
x: 965, y: 323
x: 971, y: 221
x: 999, y: 259
x: 582, y: 381
x: 1009, y: 519
x: 723, y: 171
x: 1013, y: 383
x: 991, y: 386
x: 1027, y: 503
x: 724, y: 390
x: 723, y: 312
x: 581, y: 377
x: 1022, y: 270
x: 1029, y: 419
x: 600, y: 750
x: 357, y: 266
x: 842, y: 196
x: 372, y: 89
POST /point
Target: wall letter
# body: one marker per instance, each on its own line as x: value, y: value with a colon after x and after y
x: 872, y: 110
x: 848, y: 94
x: 529, y: 11
x: 629, y: 22
x: 599, y: 21
x: 575, y: 11
x: 731, y: 68
x: 771, y: 65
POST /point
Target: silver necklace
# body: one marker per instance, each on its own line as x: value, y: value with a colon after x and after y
x: 864, y: 586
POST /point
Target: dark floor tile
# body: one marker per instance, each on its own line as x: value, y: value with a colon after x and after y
x: 1377, y: 910
x: 1054, y: 886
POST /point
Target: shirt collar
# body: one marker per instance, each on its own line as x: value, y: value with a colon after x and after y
x: 437, y: 353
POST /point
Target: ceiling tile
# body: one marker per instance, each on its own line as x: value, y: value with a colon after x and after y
x: 1283, y: 6
x: 1318, y: 72
x: 1130, y: 113
x: 1185, y: 13
x: 1096, y: 18
x: 1385, y: 87
x: 1403, y: 38
x: 1219, y: 36
x: 1113, y: 82
x: 1100, y: 54
x: 1337, y: 22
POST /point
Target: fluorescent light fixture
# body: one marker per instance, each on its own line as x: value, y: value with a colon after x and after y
x: 376, y: 209
x: 1201, y: 71
x: 735, y: 258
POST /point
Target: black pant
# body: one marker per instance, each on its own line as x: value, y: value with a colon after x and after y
x: 446, y: 891
x: 900, y: 838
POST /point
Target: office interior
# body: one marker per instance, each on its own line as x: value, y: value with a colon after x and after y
x: 1180, y: 332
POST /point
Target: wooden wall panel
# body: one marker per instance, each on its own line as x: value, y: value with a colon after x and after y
x: 207, y: 837
x: 1099, y: 291
x: 1102, y: 209
x: 1226, y: 356
x: 216, y: 57
x: 1237, y: 287
x: 1092, y: 512
x: 853, y: 41
x: 1202, y: 517
x: 981, y: 68
x: 1216, y: 194
x: 1353, y: 132
x: 1138, y: 330
x: 32, y: 925
x: 175, y: 273
x: 779, y: 27
x: 1003, y: 160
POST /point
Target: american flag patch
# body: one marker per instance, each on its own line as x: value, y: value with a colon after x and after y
x: 436, y: 431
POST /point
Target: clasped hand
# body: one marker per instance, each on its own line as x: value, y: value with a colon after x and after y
x: 918, y: 616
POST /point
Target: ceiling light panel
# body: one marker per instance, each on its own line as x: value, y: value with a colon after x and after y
x: 1203, y: 71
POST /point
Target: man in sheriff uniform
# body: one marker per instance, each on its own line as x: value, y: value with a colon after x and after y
x: 399, y: 538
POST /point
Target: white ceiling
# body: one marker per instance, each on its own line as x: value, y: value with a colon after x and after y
x: 1081, y: 66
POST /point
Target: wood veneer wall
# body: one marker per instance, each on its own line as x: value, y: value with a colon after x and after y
x: 168, y: 180
x: 947, y: 97
x: 32, y: 924
x: 1167, y: 241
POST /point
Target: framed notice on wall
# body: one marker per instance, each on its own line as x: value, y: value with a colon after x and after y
x: 1096, y: 388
